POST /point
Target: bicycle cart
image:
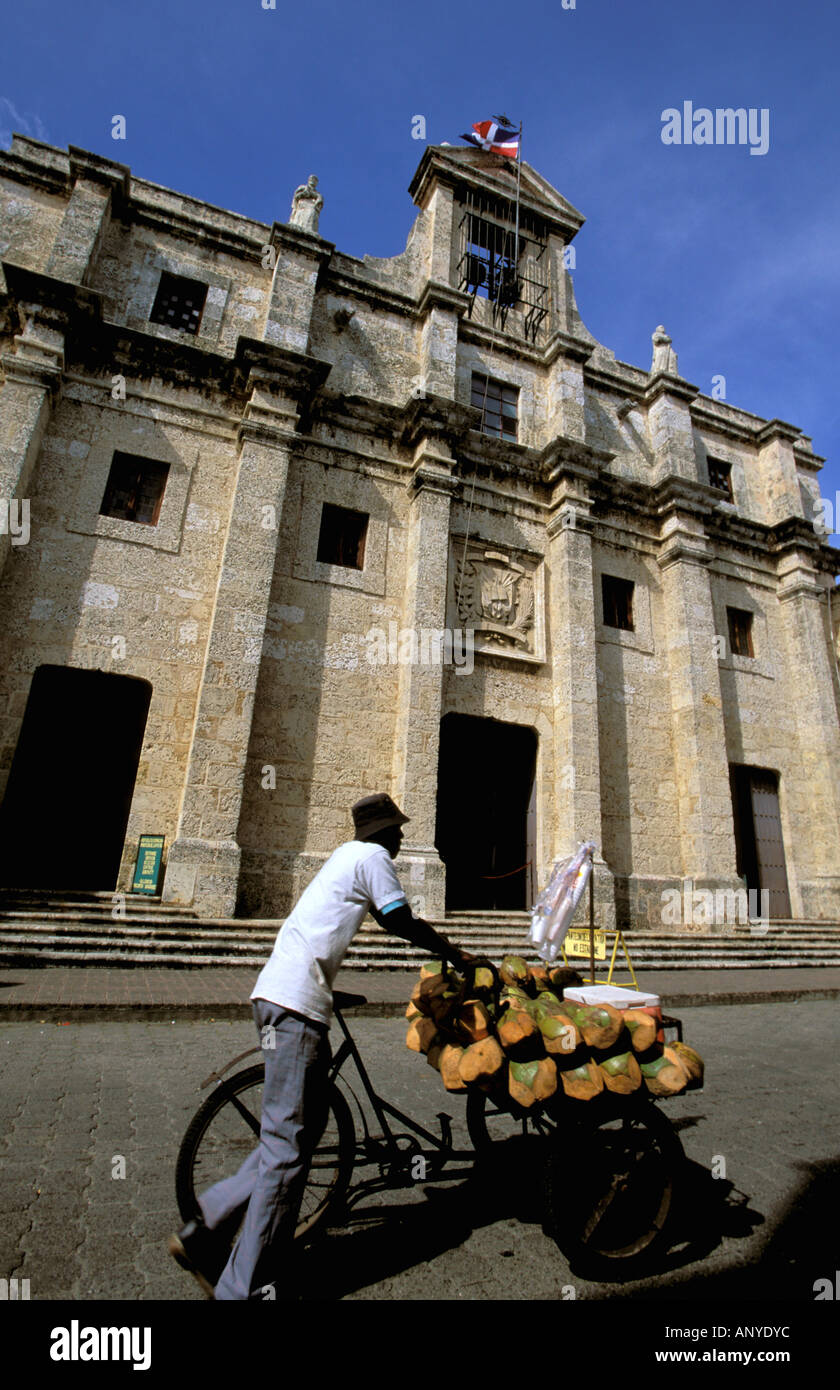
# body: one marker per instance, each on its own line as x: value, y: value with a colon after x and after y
x: 612, y: 1164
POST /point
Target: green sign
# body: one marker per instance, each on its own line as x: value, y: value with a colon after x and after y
x: 148, y: 866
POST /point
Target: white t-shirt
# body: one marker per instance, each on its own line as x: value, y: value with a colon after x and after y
x: 313, y: 940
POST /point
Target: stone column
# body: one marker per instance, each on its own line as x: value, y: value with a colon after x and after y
x: 577, y: 759
x: 419, y: 710
x: 204, y: 860
x: 701, y: 766
x: 812, y: 793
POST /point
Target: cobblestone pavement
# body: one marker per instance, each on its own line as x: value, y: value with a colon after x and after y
x: 76, y: 1099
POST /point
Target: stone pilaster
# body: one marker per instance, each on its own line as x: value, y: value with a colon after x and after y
x: 204, y: 860
x: 97, y: 184
x: 701, y: 767
x: 577, y: 760
x: 569, y: 346
x: 814, y: 797
x: 440, y: 307
x: 667, y: 400
x: 32, y: 372
x: 298, y: 259
x: 566, y: 413
x: 419, y: 710
x: 781, y: 491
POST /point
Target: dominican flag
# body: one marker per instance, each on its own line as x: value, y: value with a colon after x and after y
x: 497, y: 139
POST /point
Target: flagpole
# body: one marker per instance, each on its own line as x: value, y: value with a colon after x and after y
x: 518, y: 185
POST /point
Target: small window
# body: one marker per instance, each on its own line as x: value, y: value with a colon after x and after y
x: 720, y: 476
x: 740, y: 631
x: 618, y: 602
x: 342, y: 537
x: 135, y: 488
x: 498, y: 405
x: 179, y: 303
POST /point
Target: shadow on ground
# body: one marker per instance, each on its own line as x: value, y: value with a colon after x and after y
x: 385, y: 1237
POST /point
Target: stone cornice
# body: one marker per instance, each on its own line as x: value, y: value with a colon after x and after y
x: 43, y: 370
x: 504, y: 344
x: 306, y: 243
x: 499, y: 457
x: 806, y: 458
x: 562, y: 344
x: 596, y: 374
x: 777, y: 429
x: 433, y: 477
x: 803, y: 586
x: 568, y: 517
x: 703, y: 416
x: 138, y: 353
x: 682, y: 550
x: 437, y: 417
x: 435, y: 295
x: 20, y: 165
x: 336, y: 281
x: 70, y: 300
x: 682, y: 494
x: 358, y: 413
x: 92, y: 168
x: 664, y: 384
x: 796, y: 536
x: 206, y: 234
x: 275, y: 429
x: 572, y: 458
x: 266, y: 364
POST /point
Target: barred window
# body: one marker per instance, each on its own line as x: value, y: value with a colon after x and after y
x: 179, y: 303
x: 135, y: 488
x: 498, y: 406
x: 617, y: 595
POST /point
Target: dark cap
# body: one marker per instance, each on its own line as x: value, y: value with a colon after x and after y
x: 375, y: 813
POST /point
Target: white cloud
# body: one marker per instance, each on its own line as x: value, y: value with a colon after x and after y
x: 12, y: 121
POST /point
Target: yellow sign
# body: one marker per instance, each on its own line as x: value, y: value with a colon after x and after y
x: 577, y: 943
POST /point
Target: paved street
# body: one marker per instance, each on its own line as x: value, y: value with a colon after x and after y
x: 76, y: 1098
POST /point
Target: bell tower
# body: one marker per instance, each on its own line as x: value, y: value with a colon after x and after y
x: 507, y: 232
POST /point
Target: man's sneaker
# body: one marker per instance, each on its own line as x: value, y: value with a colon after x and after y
x: 204, y: 1253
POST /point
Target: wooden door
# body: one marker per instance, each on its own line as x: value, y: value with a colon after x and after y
x: 769, y: 845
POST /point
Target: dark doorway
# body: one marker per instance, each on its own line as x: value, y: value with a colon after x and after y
x: 67, y: 801
x: 486, y: 825
x: 759, y: 847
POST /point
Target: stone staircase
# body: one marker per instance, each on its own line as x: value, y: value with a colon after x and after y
x: 86, y: 929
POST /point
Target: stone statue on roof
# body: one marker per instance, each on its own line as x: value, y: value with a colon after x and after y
x: 306, y: 206
x: 664, y: 357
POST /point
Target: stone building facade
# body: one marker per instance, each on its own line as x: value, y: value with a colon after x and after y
x: 283, y: 527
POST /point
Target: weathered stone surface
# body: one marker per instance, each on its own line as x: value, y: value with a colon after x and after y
x: 285, y: 686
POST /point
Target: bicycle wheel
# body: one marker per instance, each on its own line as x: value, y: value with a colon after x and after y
x: 226, y: 1129
x: 492, y: 1119
x: 611, y: 1182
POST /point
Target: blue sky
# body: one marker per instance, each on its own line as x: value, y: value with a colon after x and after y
x: 735, y: 253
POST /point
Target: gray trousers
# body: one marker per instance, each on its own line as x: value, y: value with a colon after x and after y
x: 272, y: 1179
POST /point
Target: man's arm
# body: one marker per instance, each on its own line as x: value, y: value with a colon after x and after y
x: 401, y: 922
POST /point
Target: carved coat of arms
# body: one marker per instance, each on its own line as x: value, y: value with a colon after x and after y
x: 494, y: 594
